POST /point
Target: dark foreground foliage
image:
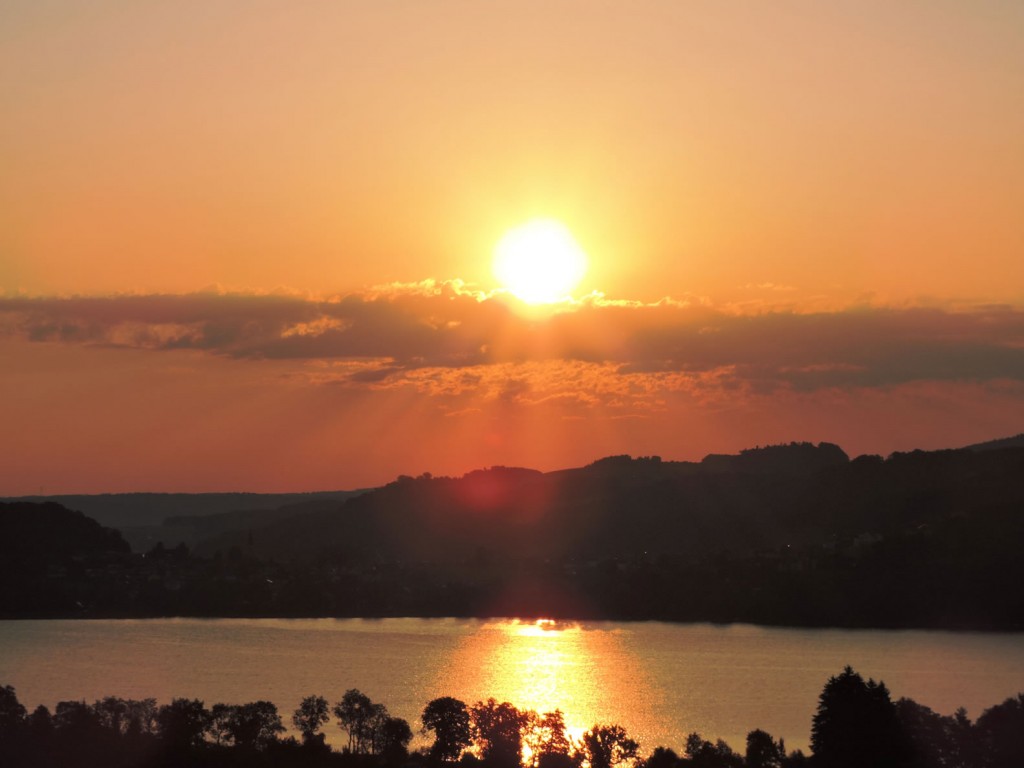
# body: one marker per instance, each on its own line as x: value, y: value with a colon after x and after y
x: 856, y: 725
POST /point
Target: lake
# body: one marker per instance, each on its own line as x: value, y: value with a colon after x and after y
x: 661, y: 681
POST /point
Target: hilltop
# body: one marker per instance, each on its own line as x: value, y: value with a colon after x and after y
x: 1017, y: 441
x: 186, y: 518
x: 796, y: 534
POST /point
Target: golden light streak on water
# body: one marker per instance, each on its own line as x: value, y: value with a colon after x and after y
x: 545, y: 665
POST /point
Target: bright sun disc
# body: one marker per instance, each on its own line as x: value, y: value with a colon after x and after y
x: 539, y: 262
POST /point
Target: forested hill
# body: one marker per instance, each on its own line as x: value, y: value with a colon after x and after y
x: 761, y: 501
x: 1017, y: 441
x: 918, y: 539
x: 46, y: 552
x: 175, y: 518
x: 50, y: 533
x: 796, y: 535
x: 119, y: 510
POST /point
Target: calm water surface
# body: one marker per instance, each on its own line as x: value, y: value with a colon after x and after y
x: 661, y: 681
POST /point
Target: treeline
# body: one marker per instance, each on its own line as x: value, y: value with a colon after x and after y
x: 857, y: 724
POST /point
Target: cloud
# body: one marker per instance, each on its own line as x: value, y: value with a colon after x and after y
x: 447, y: 338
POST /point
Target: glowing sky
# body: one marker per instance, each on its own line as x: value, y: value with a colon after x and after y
x: 247, y: 245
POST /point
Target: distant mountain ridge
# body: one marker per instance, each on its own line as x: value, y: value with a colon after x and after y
x: 211, y: 521
x: 48, y: 531
x: 173, y: 518
x: 791, y: 458
x: 1017, y: 441
x: 795, y: 534
x: 761, y: 499
x: 46, y: 551
x: 128, y: 509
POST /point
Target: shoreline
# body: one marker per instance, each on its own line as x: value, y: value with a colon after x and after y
x: 571, y: 620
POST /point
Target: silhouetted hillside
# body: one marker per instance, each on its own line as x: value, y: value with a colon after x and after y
x: 50, y: 533
x: 43, y: 547
x: 792, y: 459
x: 145, y: 519
x: 1017, y: 441
x: 193, y: 530
x: 120, y: 510
x: 795, y: 535
x: 615, y: 507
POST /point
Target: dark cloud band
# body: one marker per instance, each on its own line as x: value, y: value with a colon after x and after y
x: 449, y: 328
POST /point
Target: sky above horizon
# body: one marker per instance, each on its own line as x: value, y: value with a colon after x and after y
x: 248, y: 246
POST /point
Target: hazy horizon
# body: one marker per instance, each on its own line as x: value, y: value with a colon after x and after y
x: 311, y: 491
x: 252, y: 246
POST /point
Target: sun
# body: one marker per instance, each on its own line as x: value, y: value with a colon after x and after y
x: 539, y: 262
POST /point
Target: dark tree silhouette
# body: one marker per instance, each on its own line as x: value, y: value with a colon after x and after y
x: 254, y: 725
x: 448, y: 719
x: 12, y: 713
x: 220, y: 717
x: 375, y: 725
x: 498, y: 732
x: 75, y: 719
x: 182, y: 723
x: 395, y: 735
x: 40, y: 725
x: 932, y: 739
x: 797, y: 759
x: 704, y: 754
x: 763, y: 751
x: 355, y: 712
x: 13, y: 724
x: 1001, y: 733
x: 549, y: 744
x: 312, y: 713
x: 141, y: 717
x: 966, y: 740
x: 371, y: 729
x: 112, y: 714
x: 662, y: 757
x: 605, y: 746
x: 856, y: 725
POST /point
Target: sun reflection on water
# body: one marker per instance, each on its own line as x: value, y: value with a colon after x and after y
x: 583, y: 670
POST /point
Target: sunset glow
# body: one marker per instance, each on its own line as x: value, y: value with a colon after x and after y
x: 324, y: 248
x: 586, y: 672
x: 539, y: 262
x: 553, y: 384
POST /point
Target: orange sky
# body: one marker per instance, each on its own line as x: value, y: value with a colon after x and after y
x: 803, y: 220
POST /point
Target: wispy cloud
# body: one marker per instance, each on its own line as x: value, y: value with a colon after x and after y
x: 437, y: 333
